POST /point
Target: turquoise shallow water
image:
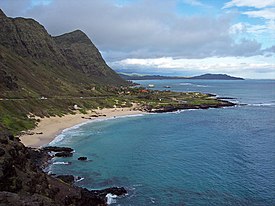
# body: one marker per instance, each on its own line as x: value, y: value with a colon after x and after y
x: 198, y: 157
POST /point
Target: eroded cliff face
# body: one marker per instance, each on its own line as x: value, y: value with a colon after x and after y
x: 28, y: 38
x: 42, y: 64
x: 22, y: 182
x: 84, y: 56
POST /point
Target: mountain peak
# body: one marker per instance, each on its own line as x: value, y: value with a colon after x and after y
x: 84, y: 56
x: 76, y: 36
x: 78, y: 31
x: 2, y: 14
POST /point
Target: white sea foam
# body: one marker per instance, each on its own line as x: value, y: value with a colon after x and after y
x: 198, y: 85
x: 61, y: 136
x: 153, y: 200
x: 78, y: 180
x: 57, y: 139
x: 116, y: 117
x: 61, y: 163
x: 185, y: 84
x: 261, y: 104
x: 195, y: 85
x: 178, y: 111
x: 51, y: 153
x: 111, y: 198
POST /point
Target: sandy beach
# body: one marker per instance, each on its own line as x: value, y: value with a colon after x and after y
x: 48, y: 128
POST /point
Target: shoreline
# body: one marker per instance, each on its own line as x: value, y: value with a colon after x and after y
x: 49, y: 128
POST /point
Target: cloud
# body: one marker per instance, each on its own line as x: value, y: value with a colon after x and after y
x: 40, y: 2
x: 231, y: 65
x: 263, y: 11
x: 20, y: 8
x: 265, y: 30
x: 238, y: 28
x: 125, y: 32
x: 250, y: 3
x: 268, y: 13
x: 193, y: 2
x: 15, y: 8
x: 151, y: 33
x: 270, y: 49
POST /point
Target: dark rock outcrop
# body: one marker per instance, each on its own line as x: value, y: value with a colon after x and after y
x: 22, y: 182
x: 58, y: 149
x: 66, y: 178
x: 82, y: 158
x: 113, y: 190
x: 173, y: 108
x: 225, y: 98
x: 2, y: 152
x: 12, y: 199
x: 63, y: 154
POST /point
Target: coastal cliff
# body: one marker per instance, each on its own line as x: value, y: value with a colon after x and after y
x: 22, y: 181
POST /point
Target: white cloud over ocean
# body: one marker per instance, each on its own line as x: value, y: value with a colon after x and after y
x: 232, y: 65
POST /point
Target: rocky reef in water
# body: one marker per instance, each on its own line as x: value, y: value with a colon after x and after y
x: 22, y: 181
x: 174, y: 108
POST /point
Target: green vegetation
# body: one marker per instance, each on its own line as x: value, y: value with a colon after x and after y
x: 19, y: 114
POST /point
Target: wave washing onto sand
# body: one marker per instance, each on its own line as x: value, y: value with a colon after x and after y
x: 57, y: 139
x: 62, y: 135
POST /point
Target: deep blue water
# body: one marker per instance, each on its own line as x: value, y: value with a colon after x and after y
x: 198, y: 157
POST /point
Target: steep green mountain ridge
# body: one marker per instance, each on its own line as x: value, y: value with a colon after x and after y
x: 81, y: 53
x: 43, y: 75
x: 32, y: 63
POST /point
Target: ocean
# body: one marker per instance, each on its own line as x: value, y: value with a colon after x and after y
x: 222, y: 156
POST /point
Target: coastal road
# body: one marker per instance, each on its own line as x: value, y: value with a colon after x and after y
x: 22, y: 99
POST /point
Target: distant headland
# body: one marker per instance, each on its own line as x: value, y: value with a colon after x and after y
x: 159, y: 77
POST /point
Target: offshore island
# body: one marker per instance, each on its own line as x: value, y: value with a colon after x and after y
x: 51, y: 83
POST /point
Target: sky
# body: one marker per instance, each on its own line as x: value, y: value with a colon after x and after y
x: 167, y: 37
